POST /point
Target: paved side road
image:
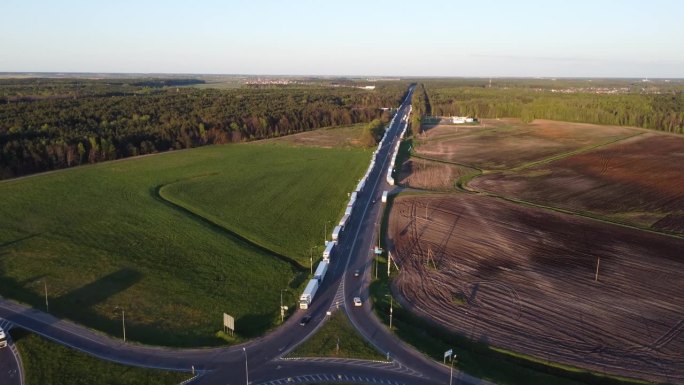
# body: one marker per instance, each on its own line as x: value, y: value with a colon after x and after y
x: 11, y: 370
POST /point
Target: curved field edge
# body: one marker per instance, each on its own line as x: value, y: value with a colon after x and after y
x: 46, y: 362
x: 474, y: 357
x: 289, y: 209
x: 210, y: 221
x: 102, y: 239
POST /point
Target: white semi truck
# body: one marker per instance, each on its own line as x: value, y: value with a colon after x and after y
x: 343, y: 221
x: 307, y: 296
x: 3, y: 338
x: 327, y: 253
x: 320, y: 271
x: 336, y: 233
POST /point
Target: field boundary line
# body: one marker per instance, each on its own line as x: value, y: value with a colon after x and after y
x: 583, y: 214
x: 214, y: 225
x: 571, y: 153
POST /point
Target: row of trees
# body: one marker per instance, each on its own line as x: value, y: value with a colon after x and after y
x: 664, y: 111
x: 373, y: 132
x: 54, y: 133
x: 420, y: 103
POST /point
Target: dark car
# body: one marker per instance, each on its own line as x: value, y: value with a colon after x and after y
x: 305, y: 320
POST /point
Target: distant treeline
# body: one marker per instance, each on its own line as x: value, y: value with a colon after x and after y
x: 57, y: 132
x: 615, y: 102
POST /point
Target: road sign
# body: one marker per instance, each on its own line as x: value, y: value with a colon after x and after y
x: 228, y: 323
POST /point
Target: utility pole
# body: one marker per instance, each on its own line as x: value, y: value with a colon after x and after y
x: 282, y: 308
x: 246, y: 367
x: 598, y: 262
x: 311, y: 259
x: 123, y: 323
x: 47, y: 305
x: 375, y: 256
x: 325, y: 233
x: 391, y: 309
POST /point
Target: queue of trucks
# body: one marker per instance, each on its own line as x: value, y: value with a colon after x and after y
x: 393, y: 158
x: 312, y: 286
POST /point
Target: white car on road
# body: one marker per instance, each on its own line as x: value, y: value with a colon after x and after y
x: 357, y: 301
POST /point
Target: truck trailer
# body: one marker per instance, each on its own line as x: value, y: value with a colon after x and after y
x: 3, y: 338
x: 320, y: 271
x: 327, y: 253
x: 307, y: 296
x: 344, y: 220
x: 336, y: 233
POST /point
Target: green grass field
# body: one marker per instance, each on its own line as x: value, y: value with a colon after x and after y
x: 46, y: 362
x: 102, y: 237
x: 325, y: 342
x: 297, y: 192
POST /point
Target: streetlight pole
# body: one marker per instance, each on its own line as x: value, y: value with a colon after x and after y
x: 246, y: 368
x: 282, y: 308
x: 451, y: 370
x: 311, y: 259
x: 391, y: 308
x: 123, y: 323
x: 47, y: 305
x: 325, y: 232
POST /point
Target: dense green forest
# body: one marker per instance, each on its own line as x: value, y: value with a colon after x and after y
x: 48, y: 124
x: 652, y: 105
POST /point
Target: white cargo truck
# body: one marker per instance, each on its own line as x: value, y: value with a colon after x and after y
x: 384, y: 196
x: 3, y: 338
x: 327, y: 253
x: 344, y: 220
x: 307, y: 296
x: 348, y: 210
x: 320, y: 271
x: 336, y: 233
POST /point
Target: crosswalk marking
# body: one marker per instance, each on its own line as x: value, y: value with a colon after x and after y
x: 330, y: 378
x: 338, y: 300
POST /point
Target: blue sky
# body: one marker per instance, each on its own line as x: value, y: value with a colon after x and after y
x: 599, y: 38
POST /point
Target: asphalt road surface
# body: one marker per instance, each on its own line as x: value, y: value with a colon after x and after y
x: 10, y: 367
x: 261, y: 359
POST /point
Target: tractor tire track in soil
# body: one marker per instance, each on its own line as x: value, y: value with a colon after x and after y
x: 522, y: 279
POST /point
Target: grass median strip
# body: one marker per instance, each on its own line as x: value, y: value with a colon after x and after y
x: 337, y: 338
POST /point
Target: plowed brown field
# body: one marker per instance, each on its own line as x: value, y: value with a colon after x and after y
x: 523, y: 279
x: 430, y: 175
x: 639, y: 180
x: 507, y: 143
